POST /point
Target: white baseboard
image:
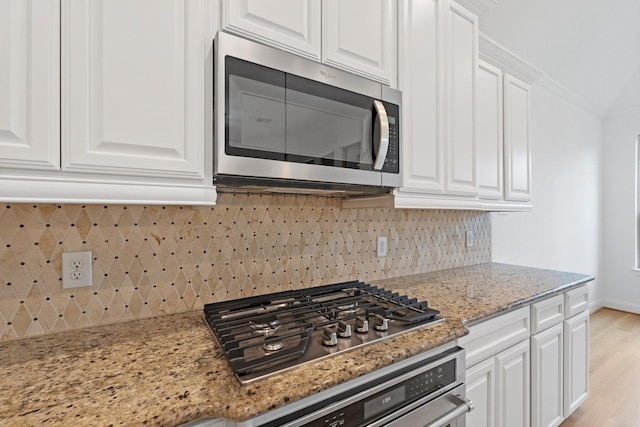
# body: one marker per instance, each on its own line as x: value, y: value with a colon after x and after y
x: 621, y: 305
x: 595, y: 306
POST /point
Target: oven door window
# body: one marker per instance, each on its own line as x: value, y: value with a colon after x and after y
x: 274, y: 115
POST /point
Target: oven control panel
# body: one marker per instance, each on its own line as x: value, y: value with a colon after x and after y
x: 370, y: 408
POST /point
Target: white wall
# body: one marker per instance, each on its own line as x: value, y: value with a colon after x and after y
x: 621, y: 129
x: 564, y: 231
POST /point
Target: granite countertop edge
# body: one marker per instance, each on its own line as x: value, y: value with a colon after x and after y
x: 534, y: 298
x: 168, y: 371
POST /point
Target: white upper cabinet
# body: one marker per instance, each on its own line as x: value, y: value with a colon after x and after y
x: 438, y: 43
x: 462, y: 55
x: 422, y: 98
x: 489, y: 132
x: 29, y: 84
x: 517, y: 141
x: 503, y: 128
x: 503, y: 139
x: 359, y: 36
x: 107, y: 101
x: 133, y: 88
x: 292, y: 25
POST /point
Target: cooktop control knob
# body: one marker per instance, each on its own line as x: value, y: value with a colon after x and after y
x: 329, y: 337
x: 380, y: 323
x: 362, y: 325
x: 344, y: 330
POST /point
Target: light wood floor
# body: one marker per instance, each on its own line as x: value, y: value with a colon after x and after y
x: 614, y: 372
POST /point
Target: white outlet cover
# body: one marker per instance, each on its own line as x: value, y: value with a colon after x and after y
x: 382, y: 246
x: 469, y: 238
x: 76, y: 269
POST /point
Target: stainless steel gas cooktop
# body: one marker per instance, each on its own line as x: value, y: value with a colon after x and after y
x: 267, y: 334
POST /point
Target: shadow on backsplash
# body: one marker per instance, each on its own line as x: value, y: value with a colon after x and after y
x: 153, y: 260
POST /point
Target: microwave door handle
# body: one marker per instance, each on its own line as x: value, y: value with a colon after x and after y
x: 382, y: 125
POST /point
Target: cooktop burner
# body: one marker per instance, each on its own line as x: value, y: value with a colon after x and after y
x: 266, y: 334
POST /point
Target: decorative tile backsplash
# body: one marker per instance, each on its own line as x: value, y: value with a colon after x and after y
x: 151, y: 260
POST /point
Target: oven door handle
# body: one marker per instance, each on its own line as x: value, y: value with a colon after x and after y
x: 432, y: 414
x: 382, y: 135
x: 463, y: 406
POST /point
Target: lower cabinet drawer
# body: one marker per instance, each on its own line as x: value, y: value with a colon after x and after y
x: 494, y: 335
x: 576, y: 301
x: 547, y: 313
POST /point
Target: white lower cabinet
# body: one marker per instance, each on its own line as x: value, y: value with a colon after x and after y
x: 547, y: 381
x: 499, y: 389
x: 481, y: 385
x: 512, y: 377
x: 498, y: 370
x: 529, y: 366
x: 576, y: 362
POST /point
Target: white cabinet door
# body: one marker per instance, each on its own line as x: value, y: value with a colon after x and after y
x: 480, y: 381
x: 546, y: 377
x: 30, y: 84
x: 422, y: 97
x: 489, y: 132
x: 462, y: 63
x: 133, y: 87
x: 292, y: 25
x: 361, y: 36
x: 517, y: 147
x: 512, y: 382
x: 576, y: 365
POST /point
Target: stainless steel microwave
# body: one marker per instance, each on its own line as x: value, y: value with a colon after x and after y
x: 285, y: 122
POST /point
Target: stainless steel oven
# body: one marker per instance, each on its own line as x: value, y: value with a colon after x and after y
x: 285, y: 121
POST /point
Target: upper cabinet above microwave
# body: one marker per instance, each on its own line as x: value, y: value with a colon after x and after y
x: 359, y: 36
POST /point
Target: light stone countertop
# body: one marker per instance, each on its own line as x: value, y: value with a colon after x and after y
x: 168, y: 370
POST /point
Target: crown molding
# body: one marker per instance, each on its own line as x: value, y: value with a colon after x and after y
x: 477, y: 6
x: 510, y: 63
x: 497, y: 55
x: 566, y: 93
x: 631, y: 109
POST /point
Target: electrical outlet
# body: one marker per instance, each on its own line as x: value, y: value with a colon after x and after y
x: 76, y: 269
x: 382, y: 246
x: 77, y: 263
x: 469, y: 238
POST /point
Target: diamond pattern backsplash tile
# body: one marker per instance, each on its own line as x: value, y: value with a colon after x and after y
x: 152, y: 260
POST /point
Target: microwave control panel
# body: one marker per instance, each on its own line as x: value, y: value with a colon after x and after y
x: 392, y: 162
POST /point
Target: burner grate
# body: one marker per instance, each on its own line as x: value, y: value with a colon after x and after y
x: 265, y: 333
